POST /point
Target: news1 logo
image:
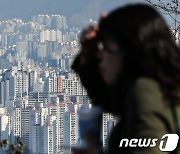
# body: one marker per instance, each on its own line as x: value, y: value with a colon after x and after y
x: 168, y: 142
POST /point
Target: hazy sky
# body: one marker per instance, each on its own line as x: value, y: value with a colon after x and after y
x: 26, y: 8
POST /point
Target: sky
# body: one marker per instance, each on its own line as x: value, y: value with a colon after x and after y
x: 25, y: 8
x: 72, y: 9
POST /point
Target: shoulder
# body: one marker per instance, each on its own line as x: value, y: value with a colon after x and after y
x: 146, y: 82
x: 146, y: 94
x: 146, y: 103
x: 147, y: 86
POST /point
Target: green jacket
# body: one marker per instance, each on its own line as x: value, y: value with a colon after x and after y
x: 147, y: 115
x: 145, y: 112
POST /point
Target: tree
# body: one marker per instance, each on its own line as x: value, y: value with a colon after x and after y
x: 172, y: 9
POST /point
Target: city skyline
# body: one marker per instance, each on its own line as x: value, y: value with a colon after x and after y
x: 79, y: 10
x: 39, y: 93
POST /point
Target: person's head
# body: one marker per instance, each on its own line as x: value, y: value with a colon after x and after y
x: 137, y: 42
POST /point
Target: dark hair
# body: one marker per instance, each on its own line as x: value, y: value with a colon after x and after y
x: 148, y: 46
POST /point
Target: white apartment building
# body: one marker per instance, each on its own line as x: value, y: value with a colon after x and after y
x: 50, y: 84
x: 19, y: 84
x: 73, y: 86
x: 25, y: 116
x: 51, y: 35
x: 4, y: 91
x: 43, y: 132
x: 70, y: 128
x: 16, y: 124
x: 4, y: 127
x: 49, y: 136
x: 106, y: 127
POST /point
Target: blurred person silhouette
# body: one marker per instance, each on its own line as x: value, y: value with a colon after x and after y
x: 130, y: 66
